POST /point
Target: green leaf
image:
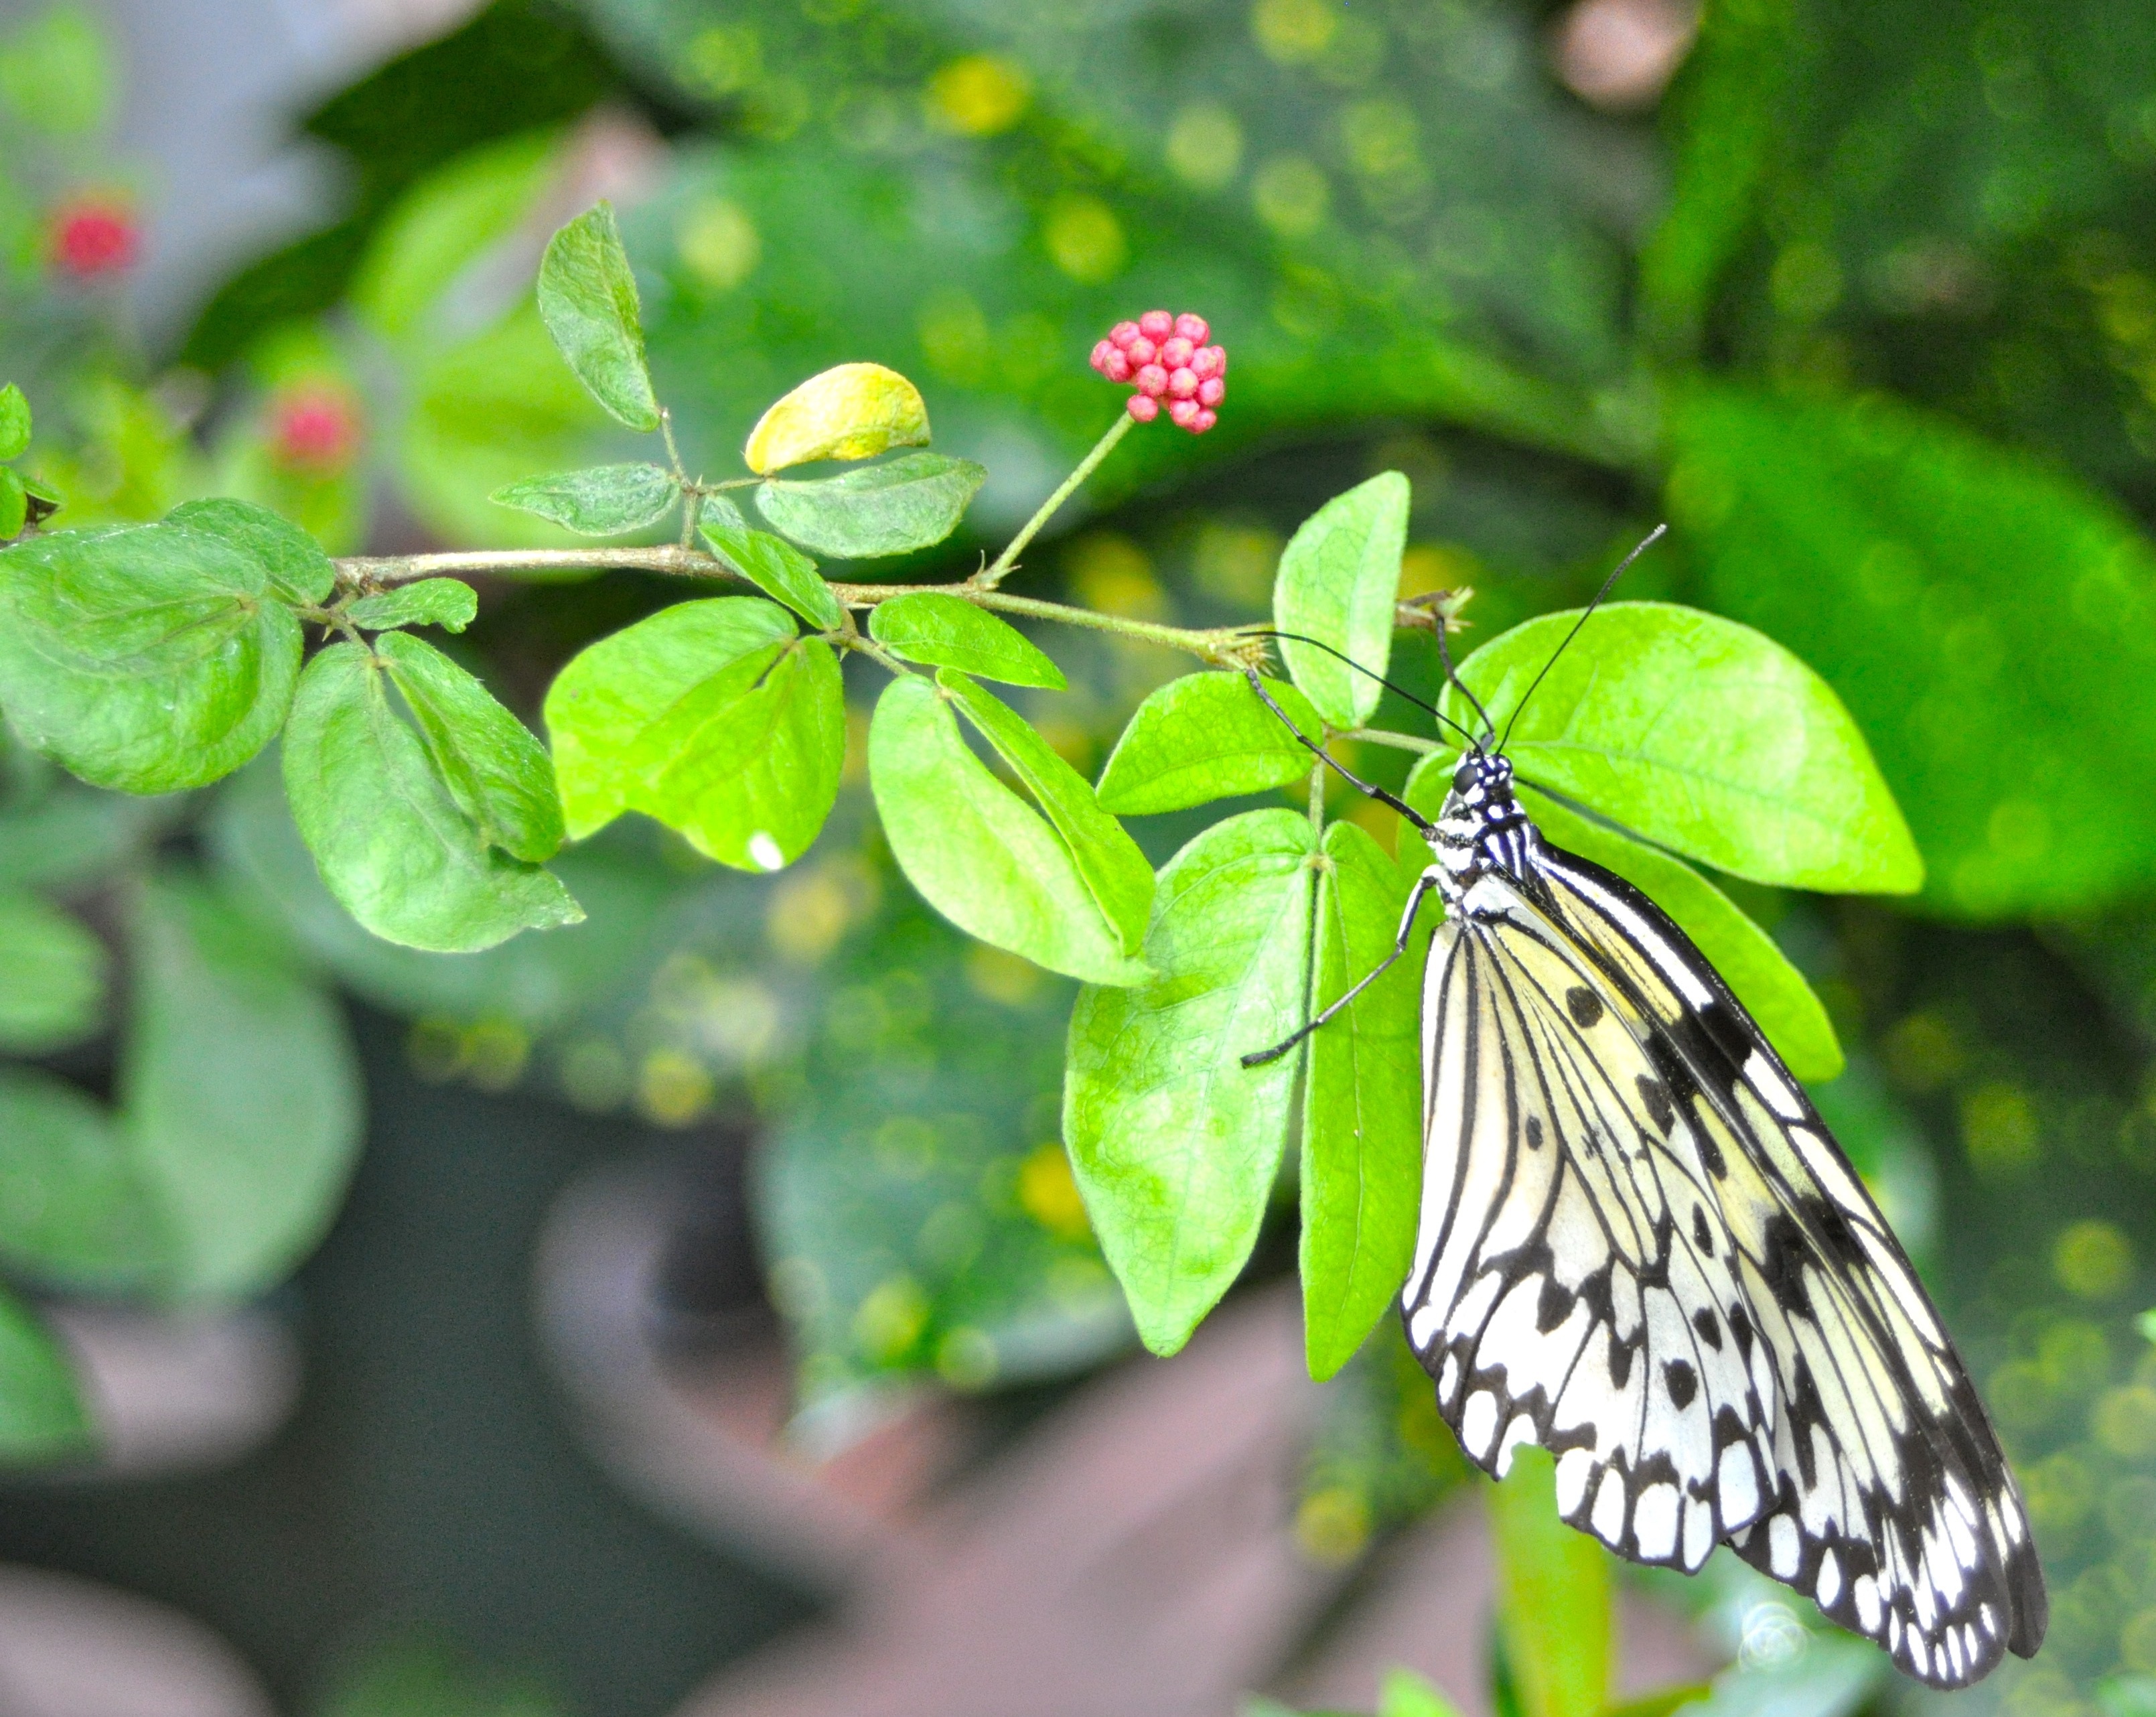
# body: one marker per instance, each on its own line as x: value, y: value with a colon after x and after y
x: 851, y: 411
x: 1175, y: 1144
x: 976, y: 852
x: 497, y: 771
x: 42, y: 1415
x: 56, y: 71
x: 1114, y: 872
x: 1774, y: 992
x: 606, y: 500
x: 942, y: 631
x: 1663, y: 1701
x: 905, y: 503
x: 393, y: 846
x: 294, y: 562
x: 1405, y: 1693
x: 1339, y: 579
x: 1990, y: 621
x: 239, y: 1093
x: 14, y: 423
x: 74, y: 1212
x: 1703, y: 736
x: 450, y: 603
x: 587, y: 298
x: 1553, y: 1595
x: 147, y: 659
x: 72, y: 834
x: 1206, y: 736
x: 716, y: 717
x: 52, y: 976
x: 1362, y: 1112
x: 14, y: 505
x: 778, y: 569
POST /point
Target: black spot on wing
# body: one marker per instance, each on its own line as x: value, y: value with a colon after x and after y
x: 1709, y: 1327
x: 1620, y: 1362
x: 1534, y: 1132
x: 1833, y: 1229
x: 1702, y: 1230
x: 1785, y: 1255
x: 1584, y: 1006
x: 1659, y: 1110
x: 1740, y: 1326
x: 1554, y: 1306
x: 1683, y: 1381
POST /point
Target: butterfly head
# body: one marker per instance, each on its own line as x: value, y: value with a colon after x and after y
x: 1482, y: 828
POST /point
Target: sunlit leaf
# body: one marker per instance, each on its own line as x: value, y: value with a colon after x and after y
x: 851, y: 411
x: 977, y: 852
x: 14, y: 505
x: 450, y: 603
x: 1116, y: 873
x: 1175, y: 1144
x: 605, y: 500
x: 148, y: 658
x: 1206, y: 736
x: 778, y: 569
x: 903, y: 504
x: 937, y: 630
x: 14, y: 423
x: 52, y: 976
x: 295, y: 563
x: 1554, y: 1596
x: 1405, y: 1693
x: 393, y: 846
x: 1705, y: 736
x: 1361, y: 1115
x: 1339, y: 578
x: 587, y: 298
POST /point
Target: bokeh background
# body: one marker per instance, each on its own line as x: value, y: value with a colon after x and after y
x: 703, y: 1318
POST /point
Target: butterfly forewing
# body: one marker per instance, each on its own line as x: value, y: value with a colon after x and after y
x: 1641, y: 1248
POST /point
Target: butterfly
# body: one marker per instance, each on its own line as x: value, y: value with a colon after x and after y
x: 1641, y: 1248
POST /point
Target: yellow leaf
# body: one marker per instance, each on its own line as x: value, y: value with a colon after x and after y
x: 853, y: 411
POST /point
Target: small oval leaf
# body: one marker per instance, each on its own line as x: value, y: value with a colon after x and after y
x: 941, y: 631
x: 605, y: 500
x: 976, y: 852
x: 907, y: 503
x: 1339, y: 578
x: 52, y: 976
x: 14, y: 421
x: 588, y: 299
x: 852, y: 411
x: 295, y: 563
x: 450, y: 603
x: 1206, y: 736
x: 778, y: 569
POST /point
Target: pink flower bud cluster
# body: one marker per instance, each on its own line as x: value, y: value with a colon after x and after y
x: 1166, y: 359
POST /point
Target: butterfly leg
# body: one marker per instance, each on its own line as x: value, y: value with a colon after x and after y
x: 1325, y: 757
x: 1424, y: 884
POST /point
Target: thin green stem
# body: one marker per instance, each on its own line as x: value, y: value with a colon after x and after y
x: 993, y: 574
x: 673, y: 452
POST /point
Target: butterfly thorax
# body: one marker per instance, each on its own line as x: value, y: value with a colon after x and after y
x: 1482, y: 832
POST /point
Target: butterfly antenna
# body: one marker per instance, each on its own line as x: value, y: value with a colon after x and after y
x: 1489, y: 728
x: 1645, y: 544
x: 1401, y: 691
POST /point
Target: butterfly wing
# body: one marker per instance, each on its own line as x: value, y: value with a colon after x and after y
x: 1892, y: 1504
x: 1572, y: 1287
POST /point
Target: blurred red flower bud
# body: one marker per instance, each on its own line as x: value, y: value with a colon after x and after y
x: 90, y: 237
x: 313, y: 428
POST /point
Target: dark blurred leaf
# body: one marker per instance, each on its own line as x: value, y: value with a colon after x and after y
x: 52, y: 976
x: 393, y: 846
x: 950, y: 632
x: 293, y: 560
x: 145, y: 659
x: 850, y: 411
x: 1554, y: 1596
x: 14, y: 423
x: 587, y: 298
x: 1176, y: 1145
x: 42, y: 1415
x: 1339, y: 581
x: 976, y: 852
x: 604, y: 500
x: 1988, y: 620
x: 67, y: 834
x: 1362, y: 1114
x: 239, y: 1093
x: 450, y: 603
x: 1205, y: 737
x: 1701, y: 735
x: 420, y: 1677
x: 778, y: 569
x: 1114, y: 870
x: 74, y: 1210
x: 498, y: 773
x: 905, y: 503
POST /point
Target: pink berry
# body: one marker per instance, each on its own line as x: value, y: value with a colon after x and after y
x: 1175, y: 351
x: 1122, y: 334
x: 1183, y: 413
x: 94, y: 236
x: 1152, y: 380
x: 1156, y: 324
x: 1118, y: 367
x: 1143, y: 408
x: 1181, y: 383
x: 1193, y: 327
x: 1099, y: 357
x: 1220, y: 359
x: 1210, y: 392
x: 313, y: 428
x: 1204, y: 421
x: 1142, y: 351
x: 1205, y: 363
